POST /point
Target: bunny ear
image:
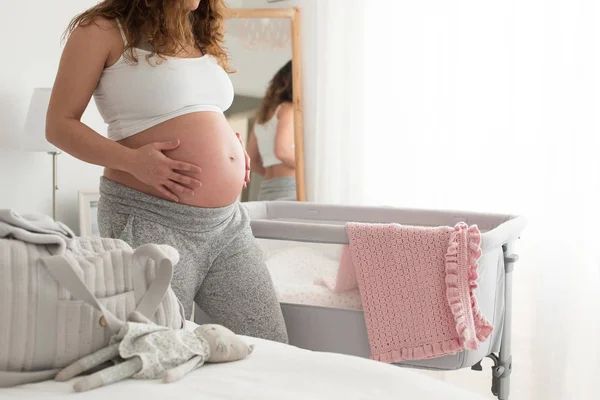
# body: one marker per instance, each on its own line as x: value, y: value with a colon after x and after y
x: 250, y: 348
x: 137, y: 316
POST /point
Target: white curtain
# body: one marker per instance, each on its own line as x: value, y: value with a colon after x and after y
x: 339, y: 138
x: 483, y: 106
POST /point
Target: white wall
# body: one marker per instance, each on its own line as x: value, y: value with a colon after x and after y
x: 31, y: 60
x: 32, y: 45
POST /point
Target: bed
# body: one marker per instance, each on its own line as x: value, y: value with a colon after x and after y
x: 273, y: 371
x: 302, y: 240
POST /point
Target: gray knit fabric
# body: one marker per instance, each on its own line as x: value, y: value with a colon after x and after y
x: 222, y: 268
x: 282, y: 188
x: 36, y: 229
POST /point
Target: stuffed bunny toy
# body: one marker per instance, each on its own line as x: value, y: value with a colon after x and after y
x: 144, y: 350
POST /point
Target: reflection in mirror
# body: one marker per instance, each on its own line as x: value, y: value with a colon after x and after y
x: 263, y: 109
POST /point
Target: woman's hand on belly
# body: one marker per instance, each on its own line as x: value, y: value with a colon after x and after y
x: 152, y: 167
x: 247, y: 158
x: 221, y: 157
x: 207, y: 142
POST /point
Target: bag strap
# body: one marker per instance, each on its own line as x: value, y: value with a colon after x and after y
x: 61, y: 268
x: 155, y: 294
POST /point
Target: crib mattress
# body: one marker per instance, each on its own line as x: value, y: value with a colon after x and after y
x: 294, y: 270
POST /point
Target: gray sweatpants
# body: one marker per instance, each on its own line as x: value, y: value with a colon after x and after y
x: 282, y: 188
x: 221, y: 266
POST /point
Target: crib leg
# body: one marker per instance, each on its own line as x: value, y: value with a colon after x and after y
x: 502, y: 368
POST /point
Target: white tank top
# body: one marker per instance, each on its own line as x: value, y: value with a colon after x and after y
x: 133, y: 98
x: 265, y: 138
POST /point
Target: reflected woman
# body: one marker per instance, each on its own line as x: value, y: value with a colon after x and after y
x: 271, y: 144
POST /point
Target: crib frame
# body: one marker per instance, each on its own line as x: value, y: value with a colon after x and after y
x: 318, y: 223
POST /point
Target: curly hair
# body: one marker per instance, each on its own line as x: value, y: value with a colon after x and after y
x: 279, y: 91
x: 165, y: 24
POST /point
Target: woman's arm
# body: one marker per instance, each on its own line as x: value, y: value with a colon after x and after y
x: 284, y: 139
x: 256, y: 164
x: 81, y: 65
x: 87, y: 52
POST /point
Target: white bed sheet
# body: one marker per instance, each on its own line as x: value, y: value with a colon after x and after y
x: 294, y: 269
x: 274, y: 371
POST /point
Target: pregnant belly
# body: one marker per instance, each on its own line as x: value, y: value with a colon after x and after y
x: 207, y: 140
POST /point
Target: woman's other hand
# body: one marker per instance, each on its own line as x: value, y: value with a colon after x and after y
x: 152, y: 167
x: 247, y: 176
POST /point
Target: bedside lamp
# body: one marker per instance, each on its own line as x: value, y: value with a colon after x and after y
x: 35, y: 134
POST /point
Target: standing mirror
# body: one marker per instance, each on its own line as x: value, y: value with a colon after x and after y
x: 264, y: 50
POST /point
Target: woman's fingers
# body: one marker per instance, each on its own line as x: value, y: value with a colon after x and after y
x: 245, y: 152
x: 186, y: 180
x: 183, y: 166
x: 169, y: 195
x: 169, y: 145
x: 175, y: 187
x: 247, y: 157
x: 178, y: 165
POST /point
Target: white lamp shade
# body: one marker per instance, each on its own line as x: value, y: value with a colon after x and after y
x: 35, y: 124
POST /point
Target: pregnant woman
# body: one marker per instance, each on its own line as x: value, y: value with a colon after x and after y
x: 173, y: 166
x: 271, y: 144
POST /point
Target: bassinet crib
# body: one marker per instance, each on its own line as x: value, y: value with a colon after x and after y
x: 323, y: 328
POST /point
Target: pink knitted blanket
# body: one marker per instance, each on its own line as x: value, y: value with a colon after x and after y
x: 417, y: 287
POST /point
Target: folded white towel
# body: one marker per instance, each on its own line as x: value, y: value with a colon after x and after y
x: 36, y: 228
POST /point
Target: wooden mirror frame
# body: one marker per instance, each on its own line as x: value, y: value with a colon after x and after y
x: 293, y: 14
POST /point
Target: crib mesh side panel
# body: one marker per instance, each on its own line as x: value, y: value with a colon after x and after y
x: 344, y: 331
x: 490, y: 295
